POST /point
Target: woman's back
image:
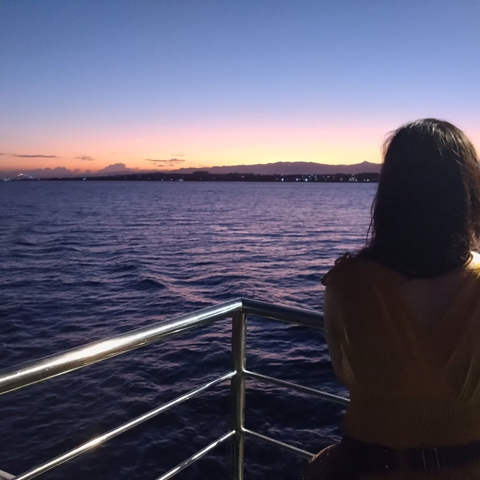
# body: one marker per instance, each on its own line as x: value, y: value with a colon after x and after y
x: 408, y: 351
x: 429, y: 298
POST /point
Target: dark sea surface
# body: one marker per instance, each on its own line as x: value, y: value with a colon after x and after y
x: 82, y: 261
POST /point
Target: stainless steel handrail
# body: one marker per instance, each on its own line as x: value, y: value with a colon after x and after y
x: 42, y: 369
x: 300, y: 388
x: 6, y: 476
x: 48, y: 367
x: 196, y: 456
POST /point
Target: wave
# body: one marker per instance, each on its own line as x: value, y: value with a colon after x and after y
x: 98, y: 259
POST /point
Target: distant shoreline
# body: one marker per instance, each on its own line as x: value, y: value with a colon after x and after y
x: 215, y: 177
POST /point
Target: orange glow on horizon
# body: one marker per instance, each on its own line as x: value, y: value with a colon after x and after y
x: 195, y: 146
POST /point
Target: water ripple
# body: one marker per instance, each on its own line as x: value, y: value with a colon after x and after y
x: 88, y: 260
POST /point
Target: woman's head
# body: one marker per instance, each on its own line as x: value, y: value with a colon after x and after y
x: 426, y: 214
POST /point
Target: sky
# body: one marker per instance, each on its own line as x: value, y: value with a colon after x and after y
x: 111, y: 85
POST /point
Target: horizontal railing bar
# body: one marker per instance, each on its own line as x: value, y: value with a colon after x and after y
x: 38, y: 370
x: 181, y: 466
x: 34, y: 472
x: 41, y: 369
x: 298, y: 316
x: 283, y: 383
x: 277, y: 443
x: 6, y: 476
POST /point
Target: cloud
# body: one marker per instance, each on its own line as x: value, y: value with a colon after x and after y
x: 115, y: 168
x: 35, y: 156
x: 85, y: 158
x: 58, y: 171
x: 171, y: 162
x: 178, y: 155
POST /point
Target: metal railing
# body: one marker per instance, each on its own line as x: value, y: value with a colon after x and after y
x: 48, y: 367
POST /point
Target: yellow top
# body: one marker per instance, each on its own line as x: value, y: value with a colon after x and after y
x: 409, y: 386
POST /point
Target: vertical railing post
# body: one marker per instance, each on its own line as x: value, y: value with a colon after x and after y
x: 239, y: 338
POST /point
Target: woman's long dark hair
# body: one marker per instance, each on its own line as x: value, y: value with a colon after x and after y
x: 426, y: 213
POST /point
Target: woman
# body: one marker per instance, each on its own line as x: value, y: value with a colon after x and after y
x: 402, y: 318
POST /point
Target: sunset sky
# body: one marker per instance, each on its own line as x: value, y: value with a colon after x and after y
x: 114, y: 84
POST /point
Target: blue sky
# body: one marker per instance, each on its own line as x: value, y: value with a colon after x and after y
x: 228, y: 82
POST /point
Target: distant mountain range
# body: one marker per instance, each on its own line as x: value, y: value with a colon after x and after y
x: 289, y: 168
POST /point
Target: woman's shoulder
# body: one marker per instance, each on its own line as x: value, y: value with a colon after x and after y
x: 344, y: 267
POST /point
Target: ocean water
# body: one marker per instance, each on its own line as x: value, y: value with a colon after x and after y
x: 84, y: 261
